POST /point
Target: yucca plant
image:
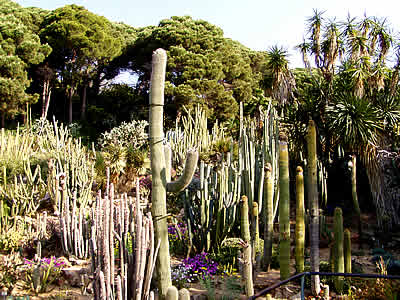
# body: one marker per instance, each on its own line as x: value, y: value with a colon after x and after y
x: 354, y: 122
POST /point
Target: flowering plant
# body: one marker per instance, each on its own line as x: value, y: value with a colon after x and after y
x: 181, y: 275
x: 41, y: 273
x: 178, y: 237
x: 202, y: 265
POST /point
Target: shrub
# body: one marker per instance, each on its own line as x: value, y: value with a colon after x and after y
x: 127, y: 134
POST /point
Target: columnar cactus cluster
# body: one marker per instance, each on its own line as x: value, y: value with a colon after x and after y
x: 122, y: 223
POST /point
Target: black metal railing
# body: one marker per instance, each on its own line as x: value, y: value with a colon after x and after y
x: 302, y: 276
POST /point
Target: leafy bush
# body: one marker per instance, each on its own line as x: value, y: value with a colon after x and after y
x: 127, y: 134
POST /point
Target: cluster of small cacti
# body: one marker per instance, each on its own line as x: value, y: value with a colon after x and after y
x: 121, y: 224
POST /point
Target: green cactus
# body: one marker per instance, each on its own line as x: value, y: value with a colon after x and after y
x: 255, y: 235
x: 353, y: 168
x: 312, y: 195
x: 338, y: 249
x: 268, y: 213
x: 284, y: 202
x: 347, y: 251
x: 247, y: 257
x: 158, y: 169
x: 300, y: 225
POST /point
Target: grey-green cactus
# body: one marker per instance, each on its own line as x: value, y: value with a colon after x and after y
x: 338, y: 248
x: 158, y: 169
x: 268, y: 213
x: 247, y: 257
x: 284, y: 209
x: 353, y: 168
x: 300, y: 225
x: 312, y: 193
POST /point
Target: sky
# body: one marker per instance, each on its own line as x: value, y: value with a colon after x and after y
x: 257, y: 24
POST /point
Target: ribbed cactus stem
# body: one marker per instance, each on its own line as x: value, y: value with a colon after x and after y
x: 338, y: 248
x: 268, y: 213
x: 172, y: 293
x: 347, y: 251
x: 353, y: 167
x: 159, y: 208
x: 300, y: 225
x: 255, y: 229
x: 284, y: 201
x: 312, y: 191
x: 247, y: 257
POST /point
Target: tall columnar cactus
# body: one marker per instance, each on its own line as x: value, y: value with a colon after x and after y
x: 284, y: 208
x: 312, y: 191
x: 353, y: 169
x: 255, y: 229
x: 300, y: 225
x: 158, y: 169
x: 247, y: 257
x: 347, y: 251
x: 338, y: 248
x: 268, y: 214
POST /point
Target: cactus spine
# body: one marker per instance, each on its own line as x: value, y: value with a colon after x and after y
x: 247, y: 258
x: 313, y: 204
x: 338, y: 248
x: 300, y: 225
x: 284, y: 218
x: 347, y: 251
x: 268, y: 213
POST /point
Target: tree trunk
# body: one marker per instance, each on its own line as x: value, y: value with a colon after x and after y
x: 3, y: 119
x: 45, y: 98
x: 83, y: 107
x: 70, y: 95
x: 312, y: 192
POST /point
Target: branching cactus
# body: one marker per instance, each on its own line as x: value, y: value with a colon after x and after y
x: 284, y: 200
x: 338, y: 248
x: 158, y: 169
x: 300, y: 225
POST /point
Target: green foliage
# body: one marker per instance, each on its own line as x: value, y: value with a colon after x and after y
x: 203, y: 67
x: 39, y: 275
x: 126, y: 134
x: 354, y: 121
x: 20, y: 48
